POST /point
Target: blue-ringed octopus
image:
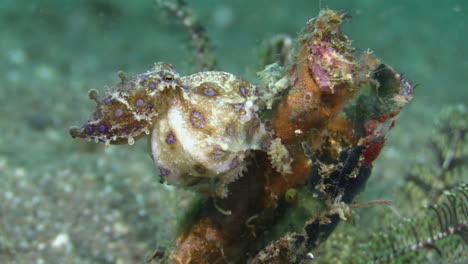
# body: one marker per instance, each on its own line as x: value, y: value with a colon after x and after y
x: 202, y: 126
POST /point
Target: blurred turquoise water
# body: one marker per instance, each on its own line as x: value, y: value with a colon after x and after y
x: 427, y: 41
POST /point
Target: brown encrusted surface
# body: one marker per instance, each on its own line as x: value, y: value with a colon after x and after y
x: 341, y: 161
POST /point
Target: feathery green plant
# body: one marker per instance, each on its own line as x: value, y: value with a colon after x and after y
x: 440, y: 232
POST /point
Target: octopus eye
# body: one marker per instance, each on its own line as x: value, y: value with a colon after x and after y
x: 168, y: 77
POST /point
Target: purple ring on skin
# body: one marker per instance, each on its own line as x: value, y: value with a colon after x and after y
x: 170, y: 138
x: 149, y: 105
x: 234, y: 164
x: 238, y: 106
x: 266, y: 143
x: 243, y: 91
x: 139, y: 102
x: 152, y: 85
x: 197, y: 119
x: 118, y: 112
x: 102, y: 128
x: 231, y: 130
x: 89, y: 129
x: 163, y: 171
x: 209, y: 91
x: 217, y: 154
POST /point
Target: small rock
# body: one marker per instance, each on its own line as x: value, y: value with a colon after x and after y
x: 62, y: 241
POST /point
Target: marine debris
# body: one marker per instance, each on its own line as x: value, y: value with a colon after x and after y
x: 314, y: 125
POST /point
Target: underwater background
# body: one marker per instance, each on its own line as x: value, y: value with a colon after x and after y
x: 71, y: 201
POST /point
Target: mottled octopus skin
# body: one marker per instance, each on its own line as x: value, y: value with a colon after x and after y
x: 202, y: 126
x: 203, y: 137
x: 128, y: 111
